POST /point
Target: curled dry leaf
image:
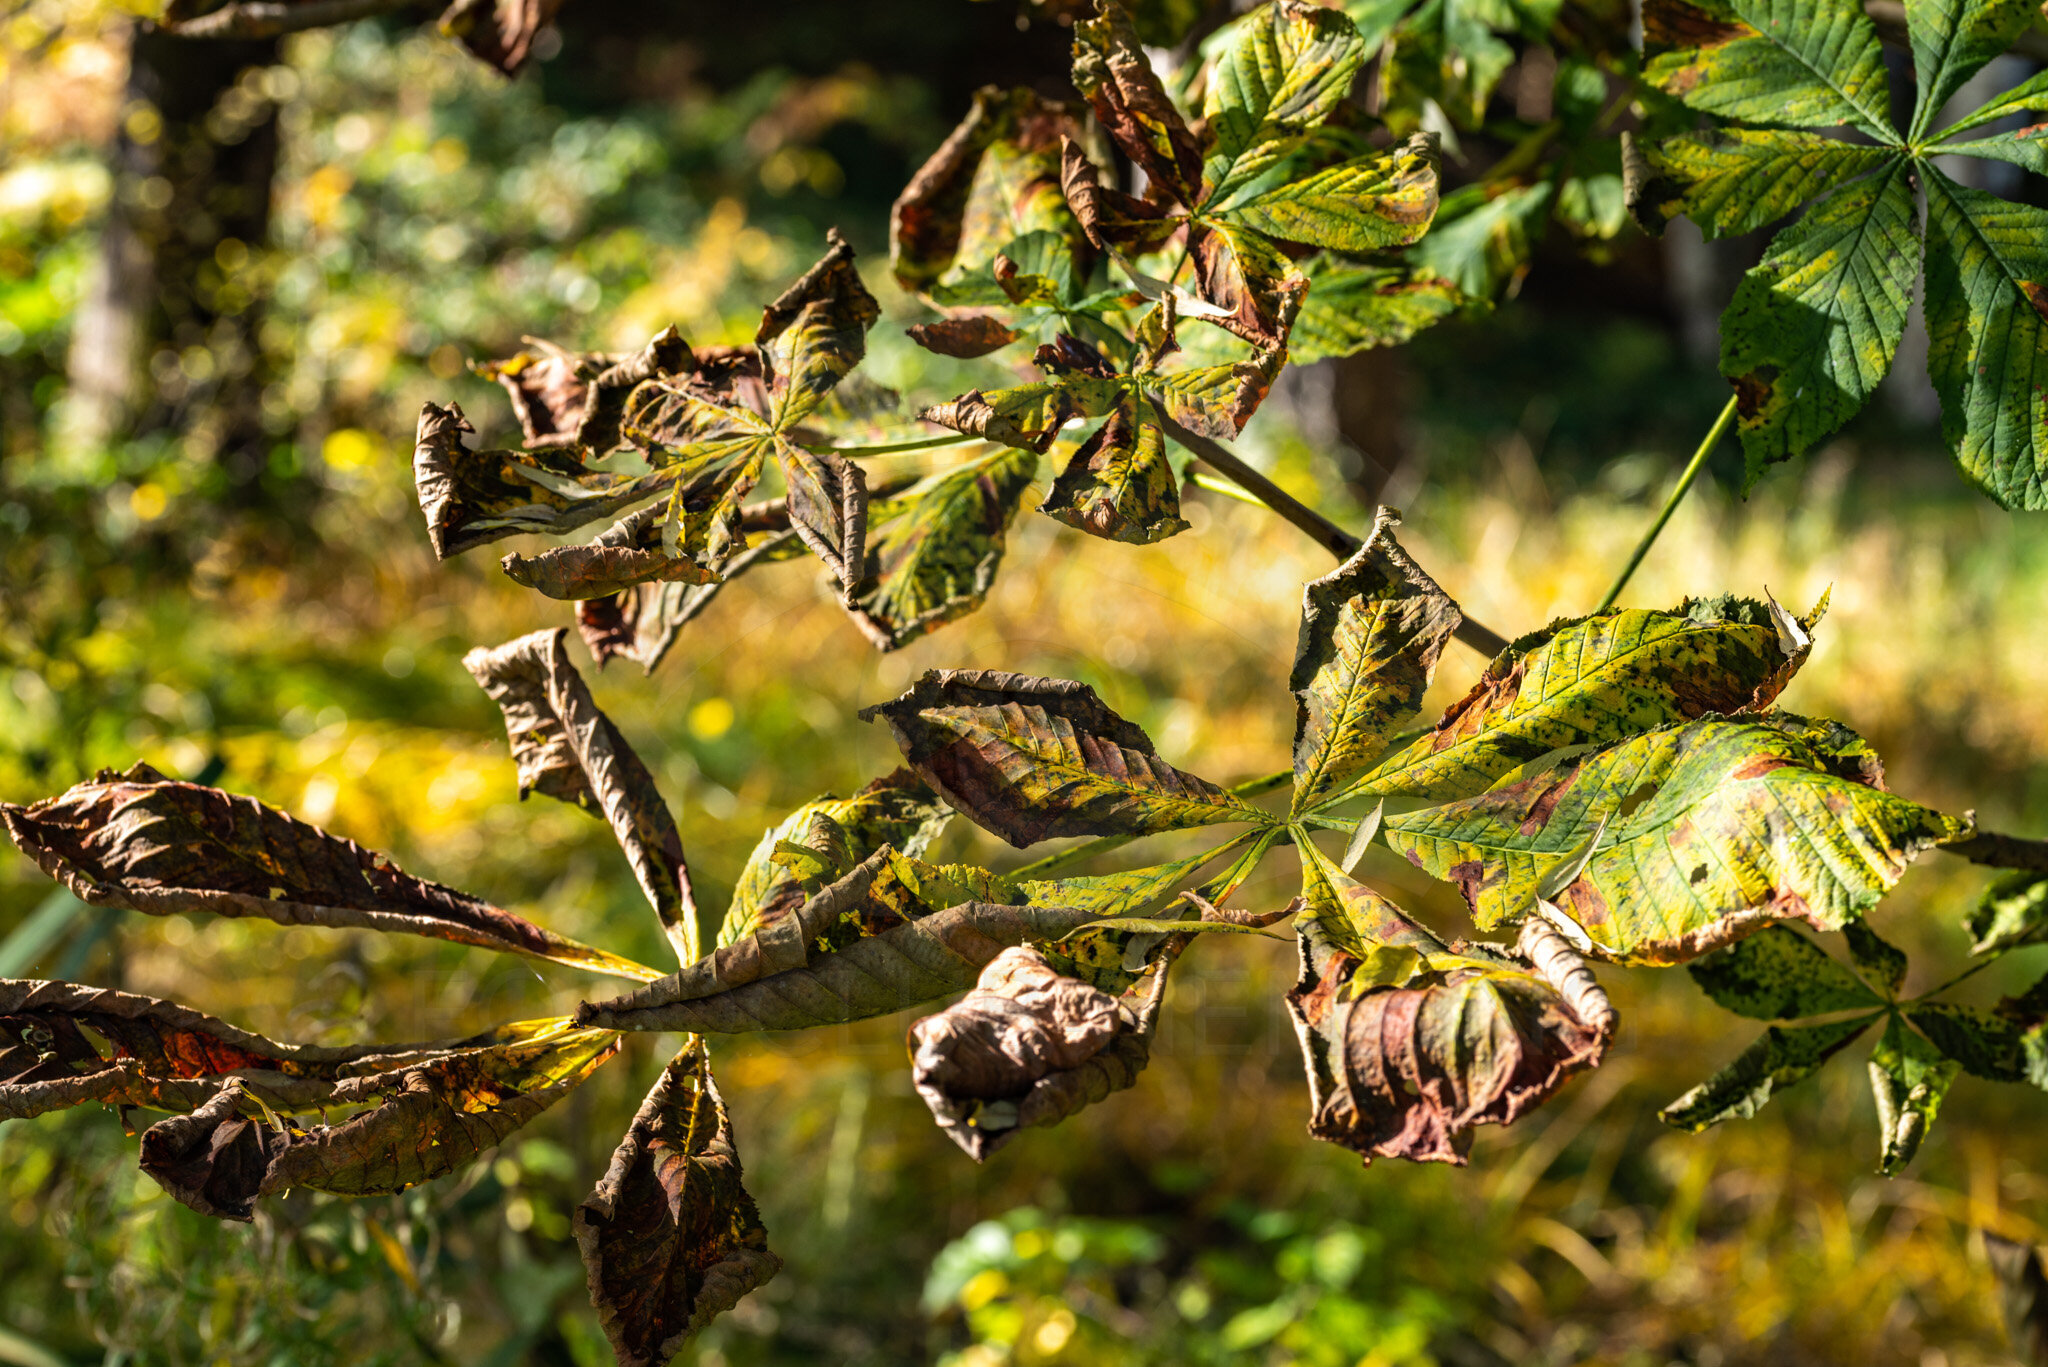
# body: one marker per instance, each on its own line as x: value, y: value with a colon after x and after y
x: 471, y: 497
x: 566, y: 398
x: 500, y: 32
x: 1026, y: 1047
x: 147, y: 843
x: 565, y: 747
x: 966, y: 338
x: 1115, y: 76
x: 1409, y: 1043
x: 625, y: 554
x: 213, y: 1159
x: 670, y: 1237
x: 1031, y: 759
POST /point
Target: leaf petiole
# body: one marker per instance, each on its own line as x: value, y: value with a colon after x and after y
x: 1685, y: 482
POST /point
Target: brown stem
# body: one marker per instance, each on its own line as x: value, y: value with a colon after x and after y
x: 2002, y: 851
x: 263, y: 19
x: 1324, y: 532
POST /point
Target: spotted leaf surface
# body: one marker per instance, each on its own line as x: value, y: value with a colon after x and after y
x: 1735, y: 180
x: 1118, y: 484
x: 1782, y: 1056
x: 1779, y: 974
x: 1811, y: 63
x: 1711, y: 827
x: 1908, y: 1079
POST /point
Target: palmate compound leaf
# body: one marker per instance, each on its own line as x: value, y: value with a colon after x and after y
x: 935, y: 561
x: 1595, y: 679
x: 1410, y: 1043
x: 1371, y: 632
x: 471, y: 497
x: 1951, y: 41
x: 1028, y: 1047
x: 567, y: 748
x: 423, y: 1120
x: 1034, y: 759
x: 670, y: 1237
x: 64, y: 1044
x: 995, y: 178
x: 140, y: 841
x: 896, y: 810
x: 1702, y: 831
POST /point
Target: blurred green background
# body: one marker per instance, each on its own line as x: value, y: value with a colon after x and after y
x: 219, y: 568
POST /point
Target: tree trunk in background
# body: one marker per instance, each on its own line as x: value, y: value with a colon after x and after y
x: 167, y: 335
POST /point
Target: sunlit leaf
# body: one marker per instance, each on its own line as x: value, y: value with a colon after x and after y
x: 146, y: 843
x: 1118, y: 484
x: 624, y: 554
x: 1951, y: 41
x: 1812, y: 63
x: 670, y: 1237
x: 567, y: 398
x: 1114, y: 75
x: 1908, y: 1079
x: 1735, y: 180
x: 1352, y: 308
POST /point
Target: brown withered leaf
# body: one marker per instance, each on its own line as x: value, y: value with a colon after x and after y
x: 147, y: 843
x: 471, y: 497
x: 571, y: 398
x: 828, y: 508
x: 1027, y: 1047
x: 624, y: 554
x: 966, y: 338
x: 1118, y: 484
x: 499, y: 32
x: 1246, y: 275
x: 567, y: 748
x: 994, y: 179
x: 1110, y: 218
x: 815, y: 332
x: 1033, y: 759
x: 425, y: 1120
x: 1116, y: 78
x: 670, y: 1237
x: 1409, y: 1043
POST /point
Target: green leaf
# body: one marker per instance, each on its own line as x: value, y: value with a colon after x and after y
x: 1288, y: 67
x: 1952, y: 40
x: 1034, y: 759
x: 1030, y: 416
x: 471, y: 497
x: 1908, y: 1079
x: 1779, y: 974
x: 1451, y: 53
x: 2013, y: 912
x: 1343, y: 915
x: 567, y: 748
x: 1881, y: 962
x: 815, y: 333
x: 1811, y: 63
x: 1361, y: 205
x: 1986, y: 1044
x: 1592, y: 680
x: 1353, y: 308
x: 1713, y: 826
x: 1371, y: 633
x: 2028, y: 97
x: 1485, y: 238
x: 1778, y: 1059
x: 1735, y: 180
x: 146, y: 843
x: 1118, y: 485
x: 1987, y: 321
x: 996, y: 178
x: 936, y: 562
x: 920, y: 960
x: 670, y: 1237
x: 896, y: 809
x: 1813, y: 327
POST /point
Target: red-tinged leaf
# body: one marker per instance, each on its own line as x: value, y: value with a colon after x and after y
x: 965, y: 338
x: 147, y: 843
x: 565, y: 747
x: 670, y: 1237
x: 1251, y: 280
x: 1111, y: 218
x: 1027, y: 1047
x: 625, y: 554
x: 1033, y: 759
x: 213, y: 1159
x: 471, y: 497
x: 1116, y: 78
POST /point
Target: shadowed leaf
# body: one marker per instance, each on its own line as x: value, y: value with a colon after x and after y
x: 147, y: 843
x: 1780, y: 1057
x: 1779, y: 974
x: 565, y: 747
x: 566, y: 398
x: 1908, y: 1079
x: 625, y: 554
x: 815, y: 333
x: 2013, y: 912
x: 670, y: 1237
x: 1033, y: 759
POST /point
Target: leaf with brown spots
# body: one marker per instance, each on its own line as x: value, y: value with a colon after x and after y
x: 1812, y: 63
x: 567, y: 748
x: 670, y: 1237
x: 1595, y: 679
x: 1781, y: 1056
x: 615, y: 560
x: 1118, y: 484
x: 1114, y: 75
x: 1371, y: 632
x: 1705, y: 831
x: 147, y: 843
x: 1034, y: 759
x: 1779, y: 974
x: 567, y: 398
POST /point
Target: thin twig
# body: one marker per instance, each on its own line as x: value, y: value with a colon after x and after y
x: 1324, y: 532
x: 897, y: 448
x: 1685, y: 481
x: 263, y: 19
x: 2002, y: 851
